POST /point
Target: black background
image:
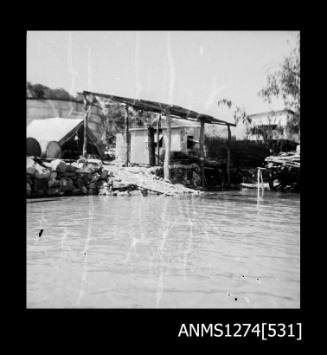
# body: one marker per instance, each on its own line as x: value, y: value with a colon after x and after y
x: 150, y: 328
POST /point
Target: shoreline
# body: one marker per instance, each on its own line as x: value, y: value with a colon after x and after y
x: 58, y: 178
x: 91, y: 177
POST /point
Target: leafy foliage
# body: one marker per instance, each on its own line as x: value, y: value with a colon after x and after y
x: 244, y: 153
x: 239, y: 113
x: 265, y: 131
x: 40, y: 91
x: 285, y: 83
x: 113, y: 117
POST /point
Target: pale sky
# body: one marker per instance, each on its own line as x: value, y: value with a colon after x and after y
x: 193, y: 69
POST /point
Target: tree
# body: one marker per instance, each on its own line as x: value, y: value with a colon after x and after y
x: 113, y: 119
x: 284, y: 83
x: 40, y: 91
x: 239, y: 113
x: 113, y: 116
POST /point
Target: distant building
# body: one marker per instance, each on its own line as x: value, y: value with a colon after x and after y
x: 185, y: 137
x: 272, y: 125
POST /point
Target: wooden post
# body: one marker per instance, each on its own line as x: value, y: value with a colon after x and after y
x: 167, y: 147
x: 228, y: 154
x: 127, y: 136
x: 151, y: 148
x: 158, y: 137
x: 202, y: 153
x: 85, y: 130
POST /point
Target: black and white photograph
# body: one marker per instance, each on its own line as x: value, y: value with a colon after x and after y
x: 163, y: 169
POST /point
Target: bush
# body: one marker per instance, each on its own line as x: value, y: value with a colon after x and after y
x: 40, y: 91
x: 244, y: 153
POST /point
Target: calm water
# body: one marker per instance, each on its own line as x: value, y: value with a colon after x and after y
x: 223, y: 250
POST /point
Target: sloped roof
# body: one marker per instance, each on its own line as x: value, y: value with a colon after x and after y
x: 175, y: 123
x: 160, y: 107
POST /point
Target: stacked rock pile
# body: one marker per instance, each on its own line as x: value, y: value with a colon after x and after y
x: 59, y: 178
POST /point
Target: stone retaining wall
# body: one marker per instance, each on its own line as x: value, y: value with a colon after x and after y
x: 85, y: 177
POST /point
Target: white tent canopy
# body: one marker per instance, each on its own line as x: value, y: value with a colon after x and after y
x: 55, y: 129
x: 51, y: 129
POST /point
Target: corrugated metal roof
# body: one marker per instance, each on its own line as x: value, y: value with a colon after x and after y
x: 160, y: 107
x: 175, y: 123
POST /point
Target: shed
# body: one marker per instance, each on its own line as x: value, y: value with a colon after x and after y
x: 185, y: 136
x: 67, y: 133
x: 169, y: 111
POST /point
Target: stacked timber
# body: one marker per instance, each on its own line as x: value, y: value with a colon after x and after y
x: 59, y: 178
x: 284, y: 159
x: 284, y: 171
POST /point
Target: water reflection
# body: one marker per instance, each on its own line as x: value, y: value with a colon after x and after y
x: 158, y: 251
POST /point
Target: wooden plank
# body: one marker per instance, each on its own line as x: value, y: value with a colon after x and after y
x: 167, y: 148
x: 35, y: 200
x: 202, y: 153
